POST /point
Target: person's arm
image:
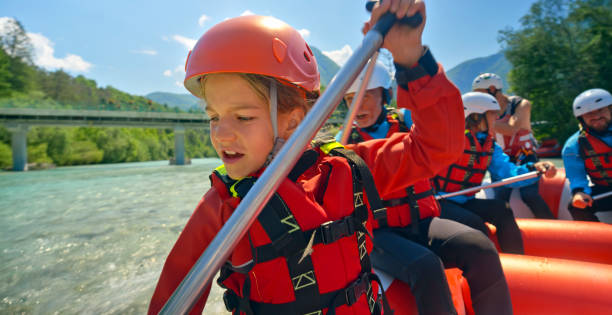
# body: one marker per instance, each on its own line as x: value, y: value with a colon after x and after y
x: 436, y: 139
x: 501, y: 167
x: 574, y: 166
x: 520, y: 120
x: 201, y: 228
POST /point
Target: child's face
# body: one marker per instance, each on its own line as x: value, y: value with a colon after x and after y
x: 240, y: 125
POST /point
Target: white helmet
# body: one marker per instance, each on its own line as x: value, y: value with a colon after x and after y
x: 591, y: 100
x: 380, y: 78
x: 479, y: 103
x: 485, y: 80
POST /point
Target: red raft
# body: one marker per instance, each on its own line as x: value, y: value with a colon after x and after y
x: 538, y: 285
x: 555, y: 191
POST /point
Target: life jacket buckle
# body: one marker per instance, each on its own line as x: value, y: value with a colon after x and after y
x: 332, y: 231
x: 357, y: 289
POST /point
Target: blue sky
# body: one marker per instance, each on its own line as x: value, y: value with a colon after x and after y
x: 140, y: 46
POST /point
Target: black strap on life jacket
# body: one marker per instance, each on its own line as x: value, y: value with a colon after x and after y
x: 289, y: 241
x: 411, y: 199
x: 587, y: 152
x: 468, y: 169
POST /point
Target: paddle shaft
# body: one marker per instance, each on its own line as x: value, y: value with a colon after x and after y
x: 502, y: 182
x: 354, y: 107
x: 602, y: 196
x: 218, y: 251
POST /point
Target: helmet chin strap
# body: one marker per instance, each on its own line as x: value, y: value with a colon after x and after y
x: 278, y: 142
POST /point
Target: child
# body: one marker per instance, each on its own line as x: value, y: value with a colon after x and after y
x: 481, y: 153
x: 411, y: 239
x: 307, y: 251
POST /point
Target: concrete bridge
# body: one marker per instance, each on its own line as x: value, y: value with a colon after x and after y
x: 19, y: 120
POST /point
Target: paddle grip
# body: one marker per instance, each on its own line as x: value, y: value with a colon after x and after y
x: 411, y: 21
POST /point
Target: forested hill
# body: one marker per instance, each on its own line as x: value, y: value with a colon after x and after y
x: 22, y: 84
x: 184, y: 101
x: 464, y: 73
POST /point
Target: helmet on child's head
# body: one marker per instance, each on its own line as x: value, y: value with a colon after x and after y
x: 380, y: 78
x: 485, y: 80
x: 252, y: 44
x: 591, y: 100
x: 478, y: 103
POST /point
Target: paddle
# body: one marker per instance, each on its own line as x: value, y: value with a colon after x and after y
x: 218, y: 251
x: 502, y: 182
x: 602, y: 196
x: 354, y: 106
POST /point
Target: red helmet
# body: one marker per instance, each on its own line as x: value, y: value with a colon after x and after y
x: 252, y: 44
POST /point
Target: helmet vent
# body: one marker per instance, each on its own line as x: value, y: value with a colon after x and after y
x: 309, y: 51
x: 280, y: 49
x: 307, y: 57
x: 598, y: 100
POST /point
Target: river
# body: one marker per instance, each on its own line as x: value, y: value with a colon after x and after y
x: 93, y: 239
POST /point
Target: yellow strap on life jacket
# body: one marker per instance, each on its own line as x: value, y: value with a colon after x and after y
x: 221, y: 169
x: 327, y: 147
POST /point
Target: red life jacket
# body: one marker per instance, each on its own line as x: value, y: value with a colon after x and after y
x: 470, y: 169
x: 521, y: 146
x: 405, y: 206
x: 597, y: 158
x: 309, y: 246
x: 359, y: 135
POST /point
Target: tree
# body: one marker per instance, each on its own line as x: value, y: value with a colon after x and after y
x: 15, y: 41
x: 5, y: 75
x: 561, y: 50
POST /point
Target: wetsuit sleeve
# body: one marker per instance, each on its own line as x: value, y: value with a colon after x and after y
x: 201, y: 228
x: 435, y: 141
x: 574, y: 166
x: 501, y: 167
x: 407, y: 117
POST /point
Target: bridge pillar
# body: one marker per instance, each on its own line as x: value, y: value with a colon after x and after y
x: 179, y: 145
x: 19, y: 144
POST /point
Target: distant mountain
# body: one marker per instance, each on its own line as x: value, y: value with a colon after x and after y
x: 183, y: 101
x: 327, y: 67
x: 464, y: 73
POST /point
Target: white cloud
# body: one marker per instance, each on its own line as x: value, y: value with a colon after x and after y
x: 247, y: 12
x: 43, y: 56
x: 179, y: 83
x: 167, y: 73
x: 341, y: 55
x: 304, y: 32
x: 180, y: 68
x: 43, y: 51
x: 203, y: 19
x: 144, y: 52
x: 185, y: 41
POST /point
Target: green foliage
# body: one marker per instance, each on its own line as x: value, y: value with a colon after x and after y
x: 561, y: 50
x: 22, y: 85
x: 6, y: 156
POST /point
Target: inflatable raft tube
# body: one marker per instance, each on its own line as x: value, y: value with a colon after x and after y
x: 577, y: 240
x: 555, y: 191
x: 538, y: 285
